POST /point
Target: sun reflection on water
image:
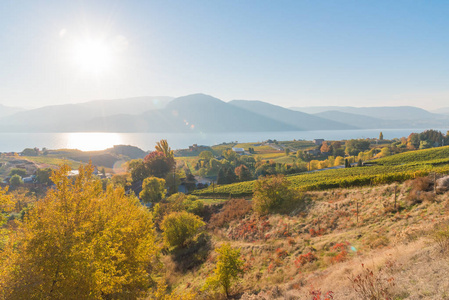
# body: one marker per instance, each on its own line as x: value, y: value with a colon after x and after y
x: 90, y: 141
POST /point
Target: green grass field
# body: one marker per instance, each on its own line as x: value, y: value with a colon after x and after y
x: 53, y: 161
x: 418, y: 156
x: 398, y: 167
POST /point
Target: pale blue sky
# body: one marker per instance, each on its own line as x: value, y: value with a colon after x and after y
x: 290, y: 53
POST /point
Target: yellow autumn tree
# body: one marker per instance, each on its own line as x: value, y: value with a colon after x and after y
x: 5, y: 202
x: 80, y: 243
x: 162, y: 146
x: 229, y: 267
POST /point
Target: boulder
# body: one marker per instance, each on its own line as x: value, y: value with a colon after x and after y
x: 442, y: 184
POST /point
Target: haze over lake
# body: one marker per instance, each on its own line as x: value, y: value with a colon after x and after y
x: 87, y: 141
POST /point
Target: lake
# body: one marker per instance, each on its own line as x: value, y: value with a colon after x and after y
x: 101, y: 140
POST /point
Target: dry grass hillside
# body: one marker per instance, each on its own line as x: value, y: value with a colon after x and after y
x: 379, y: 242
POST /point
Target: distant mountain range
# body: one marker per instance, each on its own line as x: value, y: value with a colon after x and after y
x: 387, y: 117
x: 204, y: 113
x: 76, y: 117
x: 443, y: 110
x: 7, y: 111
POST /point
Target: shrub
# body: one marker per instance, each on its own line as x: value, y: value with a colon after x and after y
x: 441, y: 237
x: 18, y: 171
x: 229, y: 267
x: 160, y: 293
x: 232, y: 210
x: 15, y: 180
x: 342, y: 252
x: 153, y: 190
x: 420, y: 191
x: 371, y: 286
x: 422, y: 184
x: 272, y: 194
x: 179, y: 227
x: 317, y: 295
x: 180, y: 202
x: 304, y: 259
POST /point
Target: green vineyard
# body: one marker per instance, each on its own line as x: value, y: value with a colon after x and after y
x: 398, y: 167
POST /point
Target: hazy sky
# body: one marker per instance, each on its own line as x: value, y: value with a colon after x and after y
x: 290, y: 53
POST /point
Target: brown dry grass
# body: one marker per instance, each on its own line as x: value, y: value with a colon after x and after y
x: 393, y: 242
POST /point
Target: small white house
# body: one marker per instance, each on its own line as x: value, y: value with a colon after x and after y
x: 239, y: 150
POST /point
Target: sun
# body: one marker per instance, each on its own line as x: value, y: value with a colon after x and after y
x: 93, y: 56
x: 91, y: 141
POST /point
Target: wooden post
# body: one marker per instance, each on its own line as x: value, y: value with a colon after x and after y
x: 395, y: 197
x: 434, y: 183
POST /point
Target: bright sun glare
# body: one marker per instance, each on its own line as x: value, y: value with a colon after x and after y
x: 90, y: 141
x: 93, y: 56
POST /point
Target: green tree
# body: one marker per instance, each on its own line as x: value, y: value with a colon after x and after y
x: 153, y: 190
x: 354, y: 147
x: 424, y: 145
x: 173, y: 180
x: 30, y: 152
x: 413, y: 141
x: 180, y: 227
x: 230, y: 155
x: 243, y: 173
x: 221, y: 177
x: 80, y: 242
x: 43, y: 176
x: 181, y: 202
x: 206, y: 155
x: 159, y: 165
x: 229, y: 267
x: 381, y: 136
x: 287, y: 151
x: 138, y: 170
x: 272, y: 194
x: 385, y: 151
x: 18, y: 171
x: 15, y: 180
x: 122, y: 180
x: 230, y: 175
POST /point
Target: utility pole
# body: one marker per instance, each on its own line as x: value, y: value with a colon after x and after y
x: 174, y: 179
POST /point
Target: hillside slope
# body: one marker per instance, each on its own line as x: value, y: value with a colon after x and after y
x: 193, y: 113
x: 295, y: 118
x: 77, y: 117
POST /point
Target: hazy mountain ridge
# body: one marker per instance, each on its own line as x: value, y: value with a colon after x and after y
x: 381, y: 112
x: 8, y: 110
x: 76, y: 117
x: 442, y: 110
x: 295, y: 118
x: 204, y: 113
x: 195, y: 113
x: 380, y: 117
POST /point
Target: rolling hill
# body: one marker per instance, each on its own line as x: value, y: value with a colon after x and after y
x: 379, y: 117
x: 193, y: 113
x: 298, y: 119
x: 384, y: 112
x: 203, y: 113
x: 7, y: 110
x: 76, y: 117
